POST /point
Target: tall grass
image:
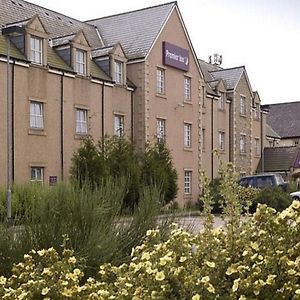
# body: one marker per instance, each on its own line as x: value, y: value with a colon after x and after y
x: 87, y: 220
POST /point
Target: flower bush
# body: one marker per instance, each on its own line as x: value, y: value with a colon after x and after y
x: 262, y: 262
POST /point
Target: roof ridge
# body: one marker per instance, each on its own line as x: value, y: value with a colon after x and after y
x: 292, y: 102
x: 239, y: 67
x: 132, y: 11
x: 56, y: 12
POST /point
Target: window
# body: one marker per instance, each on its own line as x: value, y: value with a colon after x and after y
x: 256, y: 111
x: 256, y: 147
x: 187, y: 88
x: 81, y: 121
x: 243, y: 143
x: 37, y: 174
x: 80, y: 63
x: 118, y: 72
x: 203, y: 138
x: 187, y: 182
x: 161, y: 130
x: 243, y: 105
x: 222, y: 101
x: 119, y: 125
x: 36, y: 115
x: 222, y: 141
x: 160, y: 81
x: 187, y: 135
x: 36, y: 46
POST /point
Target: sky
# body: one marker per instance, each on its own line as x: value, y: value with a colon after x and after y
x: 262, y: 35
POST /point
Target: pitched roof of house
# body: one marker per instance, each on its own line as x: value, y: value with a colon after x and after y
x: 270, y: 132
x: 279, y: 159
x: 231, y: 76
x: 55, y: 23
x: 135, y: 30
x: 284, y: 118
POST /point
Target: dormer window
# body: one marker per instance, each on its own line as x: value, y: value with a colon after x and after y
x: 119, y: 72
x: 36, y: 50
x: 80, y: 62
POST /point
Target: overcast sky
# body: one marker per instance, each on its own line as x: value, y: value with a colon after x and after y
x: 263, y: 35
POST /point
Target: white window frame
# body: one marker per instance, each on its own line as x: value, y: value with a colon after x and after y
x: 187, y: 88
x: 36, y: 50
x: 187, y: 135
x: 242, y: 143
x: 257, y: 146
x: 160, y: 130
x: 119, y: 125
x: 221, y: 140
x: 222, y: 101
x: 243, y: 109
x: 81, y: 121
x: 80, y: 62
x: 37, y: 174
x: 160, y: 81
x: 187, y: 182
x: 36, y: 115
x: 118, y: 72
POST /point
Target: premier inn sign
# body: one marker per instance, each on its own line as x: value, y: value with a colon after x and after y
x: 175, y: 56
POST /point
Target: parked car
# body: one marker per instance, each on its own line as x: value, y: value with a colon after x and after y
x: 264, y: 180
x: 295, y: 195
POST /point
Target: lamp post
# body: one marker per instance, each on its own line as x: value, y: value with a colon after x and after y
x: 8, y: 32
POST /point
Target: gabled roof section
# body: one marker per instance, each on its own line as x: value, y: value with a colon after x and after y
x: 14, y: 11
x: 284, y: 118
x: 14, y: 51
x: 270, y: 132
x: 206, y: 68
x: 231, y: 76
x: 279, y: 159
x: 135, y: 30
x: 100, y: 52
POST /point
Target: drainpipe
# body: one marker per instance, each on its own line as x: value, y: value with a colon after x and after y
x: 132, y: 120
x: 212, y: 138
x: 13, y: 122
x: 261, y: 143
x: 231, y: 142
x: 62, y: 125
x: 102, y: 112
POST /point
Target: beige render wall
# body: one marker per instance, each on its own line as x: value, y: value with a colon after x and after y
x: 242, y: 124
x: 167, y: 107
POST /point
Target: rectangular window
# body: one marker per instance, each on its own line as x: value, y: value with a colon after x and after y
x: 118, y: 72
x: 222, y: 101
x: 187, y: 88
x: 36, y: 46
x: 160, y: 81
x: 161, y: 130
x: 187, y: 131
x: 203, y: 138
x: 256, y: 111
x: 119, y: 125
x: 36, y: 115
x: 187, y: 182
x: 81, y: 121
x: 242, y: 143
x: 37, y: 174
x: 80, y: 63
x: 256, y: 147
x: 222, y: 141
x: 243, y: 105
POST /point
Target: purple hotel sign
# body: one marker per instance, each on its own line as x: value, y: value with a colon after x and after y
x: 175, y: 56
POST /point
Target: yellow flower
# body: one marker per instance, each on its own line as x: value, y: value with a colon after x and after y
x: 254, y: 246
x: 2, y: 280
x: 292, y: 272
x: 182, y: 259
x: 211, y: 288
x: 231, y: 270
x: 210, y: 264
x: 45, y: 291
x: 72, y: 260
x: 41, y: 252
x: 296, y: 204
x: 236, y: 285
x: 205, y: 279
x: 160, y: 276
x: 145, y: 256
x: 297, y: 292
x: 196, y: 297
x: 77, y: 272
x: 270, y: 280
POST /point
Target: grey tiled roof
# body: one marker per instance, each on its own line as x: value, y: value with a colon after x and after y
x: 284, y: 118
x: 206, y: 68
x: 279, y: 159
x: 55, y: 23
x: 62, y: 40
x: 271, y: 132
x: 230, y: 76
x: 135, y: 30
